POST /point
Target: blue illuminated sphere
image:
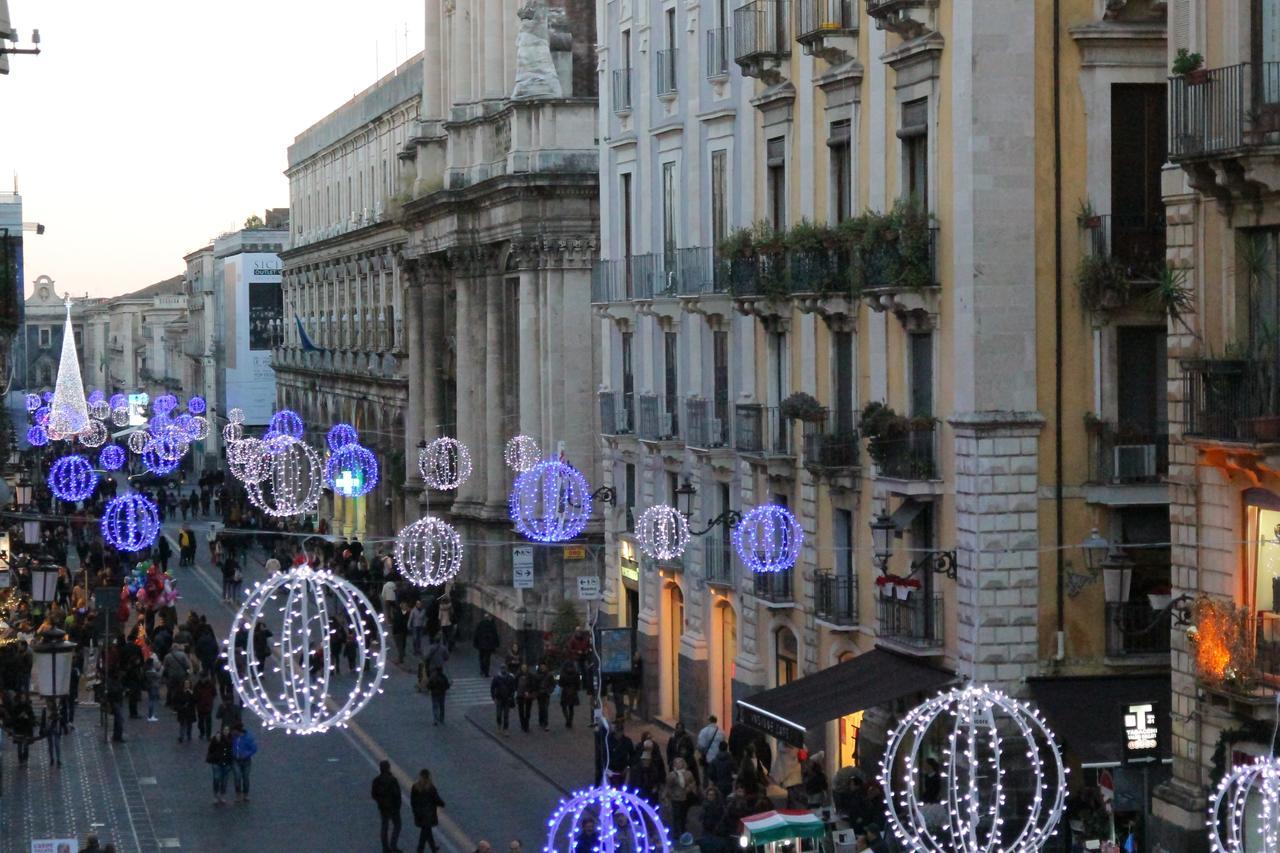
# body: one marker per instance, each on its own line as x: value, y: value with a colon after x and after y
x: 47, y: 396
x: 624, y: 823
x: 768, y: 539
x: 118, y: 401
x: 550, y: 502
x: 196, y: 405
x: 95, y: 396
x: 112, y: 457
x: 340, y: 435
x: 32, y: 402
x: 159, y: 456
x: 352, y: 471
x: 72, y: 478
x: 37, y: 437
x: 130, y: 522
x: 286, y: 422
x: 41, y: 415
x: 164, y: 404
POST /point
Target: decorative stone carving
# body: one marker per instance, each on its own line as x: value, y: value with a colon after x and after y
x: 535, y: 72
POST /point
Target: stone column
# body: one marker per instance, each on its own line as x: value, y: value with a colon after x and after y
x: 530, y: 391
x: 494, y: 399
x: 494, y: 54
x: 420, y: 380
x: 471, y: 378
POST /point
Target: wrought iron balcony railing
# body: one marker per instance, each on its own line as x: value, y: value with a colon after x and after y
x: 831, y: 443
x: 1133, y: 628
x: 914, y: 621
x: 1232, y: 399
x: 761, y: 31
x: 622, y: 90
x: 761, y: 429
x: 616, y: 413
x: 818, y: 18
x: 668, y: 71
x: 718, y: 52
x: 703, y: 429
x: 717, y: 562
x: 774, y: 587
x: 835, y: 598
x: 656, y: 423
x: 912, y: 457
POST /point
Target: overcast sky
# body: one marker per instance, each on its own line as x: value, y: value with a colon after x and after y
x: 145, y: 128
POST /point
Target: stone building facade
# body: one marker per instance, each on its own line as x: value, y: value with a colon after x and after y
x: 39, y: 342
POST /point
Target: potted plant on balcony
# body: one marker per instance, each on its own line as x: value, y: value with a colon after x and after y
x: 802, y: 407
x: 883, y: 429
x: 1102, y: 283
x: 1086, y: 216
x: 812, y: 257
x: 1190, y: 66
x: 896, y: 248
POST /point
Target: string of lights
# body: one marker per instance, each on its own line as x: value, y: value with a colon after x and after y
x: 768, y: 538
x: 428, y: 552
x: 662, y: 532
x: 444, y: 464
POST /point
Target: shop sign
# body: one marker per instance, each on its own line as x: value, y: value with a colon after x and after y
x: 770, y: 725
x: 1141, y: 736
x: 575, y: 552
x: 616, y: 647
x: 54, y: 845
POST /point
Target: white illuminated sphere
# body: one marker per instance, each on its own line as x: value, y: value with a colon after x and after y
x: 624, y: 823
x: 199, y: 428
x: 100, y: 409
x: 236, y: 416
x: 521, y: 453
x: 428, y: 552
x: 94, y: 435
x: 247, y: 459
x: 138, y: 441
x: 120, y: 415
x: 231, y: 433
x: 986, y: 738
x: 291, y: 477
x: 662, y: 532
x: 298, y: 687
x: 1245, y: 813
x: 444, y: 464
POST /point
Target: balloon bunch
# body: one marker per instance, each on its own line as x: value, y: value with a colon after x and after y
x: 149, y: 588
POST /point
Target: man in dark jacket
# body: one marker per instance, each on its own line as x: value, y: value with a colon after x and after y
x: 386, y: 793
x: 503, y: 691
x: 486, y: 642
x: 720, y: 769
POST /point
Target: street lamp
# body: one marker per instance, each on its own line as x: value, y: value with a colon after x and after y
x: 1095, y: 550
x: 44, y: 584
x: 52, y: 663
x: 22, y: 492
x: 684, y: 495
x: 882, y: 531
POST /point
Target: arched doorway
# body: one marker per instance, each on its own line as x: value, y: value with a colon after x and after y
x: 672, y: 629
x: 724, y: 651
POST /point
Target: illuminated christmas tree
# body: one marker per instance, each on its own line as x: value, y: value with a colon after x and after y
x: 69, y: 414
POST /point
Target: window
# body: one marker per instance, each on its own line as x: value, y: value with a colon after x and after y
x: 1138, y: 152
x: 720, y: 384
x: 626, y: 50
x: 719, y: 196
x: 671, y: 364
x: 1140, y: 380
x: 671, y: 27
x: 776, y: 181
x: 921, y: 366
x: 842, y: 380
x: 840, y: 142
x: 44, y: 337
x: 630, y: 496
x: 726, y: 536
x: 628, y: 226
x: 914, y: 134
x: 788, y: 654
x: 628, y: 382
x: 669, y: 210
x: 1262, y: 592
x: 673, y: 483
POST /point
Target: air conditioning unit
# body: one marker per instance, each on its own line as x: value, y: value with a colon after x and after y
x: 1134, y: 462
x: 716, y: 439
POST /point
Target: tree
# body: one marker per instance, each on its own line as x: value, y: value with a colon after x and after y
x: 254, y: 221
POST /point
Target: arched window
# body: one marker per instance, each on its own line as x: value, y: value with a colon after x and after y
x: 787, y: 655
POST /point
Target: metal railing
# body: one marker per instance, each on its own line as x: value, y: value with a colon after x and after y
x: 702, y: 428
x: 656, y: 423
x: 774, y: 587
x: 680, y: 272
x: 914, y: 621
x: 912, y: 457
x: 884, y: 7
x: 668, y: 73
x: 784, y: 273
x: 760, y: 31
x: 817, y: 18
x: 718, y: 47
x: 622, y: 90
x: 1135, y: 240
x: 835, y: 598
x: 1133, y: 628
x: 717, y: 561
x: 890, y: 264
x: 1127, y: 457
x: 832, y: 442
x: 1266, y: 651
x: 1232, y: 399
x: 615, y: 413
x: 1209, y: 109
x: 761, y: 429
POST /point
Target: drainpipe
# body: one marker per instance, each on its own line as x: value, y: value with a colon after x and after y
x: 1060, y: 652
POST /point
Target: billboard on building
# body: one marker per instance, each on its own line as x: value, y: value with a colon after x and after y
x: 253, y: 311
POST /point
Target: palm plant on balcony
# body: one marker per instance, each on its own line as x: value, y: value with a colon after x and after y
x: 884, y: 429
x: 1189, y: 65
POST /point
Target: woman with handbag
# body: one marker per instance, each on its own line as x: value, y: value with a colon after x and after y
x: 681, y: 791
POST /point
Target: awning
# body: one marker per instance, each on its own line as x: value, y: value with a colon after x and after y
x: 1087, y: 713
x: 906, y: 513
x: 767, y: 827
x: 870, y: 679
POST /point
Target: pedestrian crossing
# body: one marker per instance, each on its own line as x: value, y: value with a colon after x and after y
x: 466, y: 692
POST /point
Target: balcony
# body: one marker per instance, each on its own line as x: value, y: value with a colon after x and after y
x: 835, y: 599
x: 1127, y: 457
x: 668, y: 67
x: 702, y: 428
x: 718, y: 52
x: 907, y: 18
x: 831, y: 444
x: 1134, y: 630
x: 680, y: 272
x: 908, y: 263
x: 1232, y: 400
x: 1225, y: 115
x: 616, y: 413
x: 761, y: 430
x: 1125, y: 255
x: 911, y: 457
x: 656, y: 423
x: 761, y: 40
x: 912, y: 624
x: 780, y: 275
x: 717, y: 562
x: 826, y: 27
x: 650, y: 566
x: 622, y: 90
x: 774, y: 587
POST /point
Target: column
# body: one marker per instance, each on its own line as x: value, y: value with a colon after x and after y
x: 496, y: 432
x: 493, y: 56
x: 468, y: 380
x: 420, y: 381
x: 530, y: 391
x: 433, y: 55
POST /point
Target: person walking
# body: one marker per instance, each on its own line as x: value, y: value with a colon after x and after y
x: 243, y: 749
x: 526, y: 692
x: 22, y: 725
x: 545, y: 683
x: 51, y: 729
x: 418, y: 625
x: 710, y: 737
x: 177, y: 667
x: 205, y: 693
x: 425, y: 802
x: 220, y: 760
x: 389, y: 600
x: 437, y: 685
x: 445, y: 615
x: 570, y: 682
x: 151, y: 675
x: 680, y: 792
x: 503, y: 691
x: 183, y: 701
x: 485, y: 639
x: 230, y: 568
x: 164, y: 551
x: 386, y: 793
x: 400, y: 629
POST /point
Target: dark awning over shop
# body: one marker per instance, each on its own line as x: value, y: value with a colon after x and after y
x: 870, y: 679
x: 1087, y: 713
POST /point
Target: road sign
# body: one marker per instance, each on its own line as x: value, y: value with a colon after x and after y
x: 522, y: 567
x: 588, y: 587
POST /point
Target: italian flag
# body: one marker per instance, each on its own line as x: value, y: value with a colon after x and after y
x: 767, y: 827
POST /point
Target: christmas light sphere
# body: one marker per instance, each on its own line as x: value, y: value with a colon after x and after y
x: 41, y: 416
x: 130, y: 522
x: 428, y: 552
x: 32, y: 402
x: 297, y: 686
x: 164, y: 404
x: 112, y: 457
x: 290, y: 484
x: 352, y: 471
x: 232, y: 432
x: 96, y: 396
x: 551, y: 502
x: 100, y: 410
x: 138, y: 441
x: 158, y: 459
x: 768, y: 539
x: 605, y: 819
x: 94, y: 435
x: 54, y: 433
x: 196, y: 405
x: 118, y: 401
x: 521, y: 453
x: 444, y: 464
x: 1244, y: 816
x: 47, y: 396
x: 72, y: 478
x: 236, y: 416
x: 287, y: 422
x: 247, y: 459
x: 340, y: 435
x: 988, y: 740
x: 199, y: 428
x: 120, y: 415
x: 37, y: 436
x: 662, y: 532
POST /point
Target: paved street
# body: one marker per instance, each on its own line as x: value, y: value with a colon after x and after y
x: 152, y: 793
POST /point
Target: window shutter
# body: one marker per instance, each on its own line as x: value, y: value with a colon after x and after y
x: 1180, y: 23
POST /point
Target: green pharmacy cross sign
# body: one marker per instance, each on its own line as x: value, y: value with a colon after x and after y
x: 349, y: 483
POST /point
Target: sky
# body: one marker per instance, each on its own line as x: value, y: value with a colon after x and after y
x: 146, y: 128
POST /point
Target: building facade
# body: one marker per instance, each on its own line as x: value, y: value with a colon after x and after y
x: 124, y: 340
x: 342, y: 357
x: 870, y: 225
x: 12, y: 280
x: 1223, y: 210
x: 39, y: 345
x: 201, y: 348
